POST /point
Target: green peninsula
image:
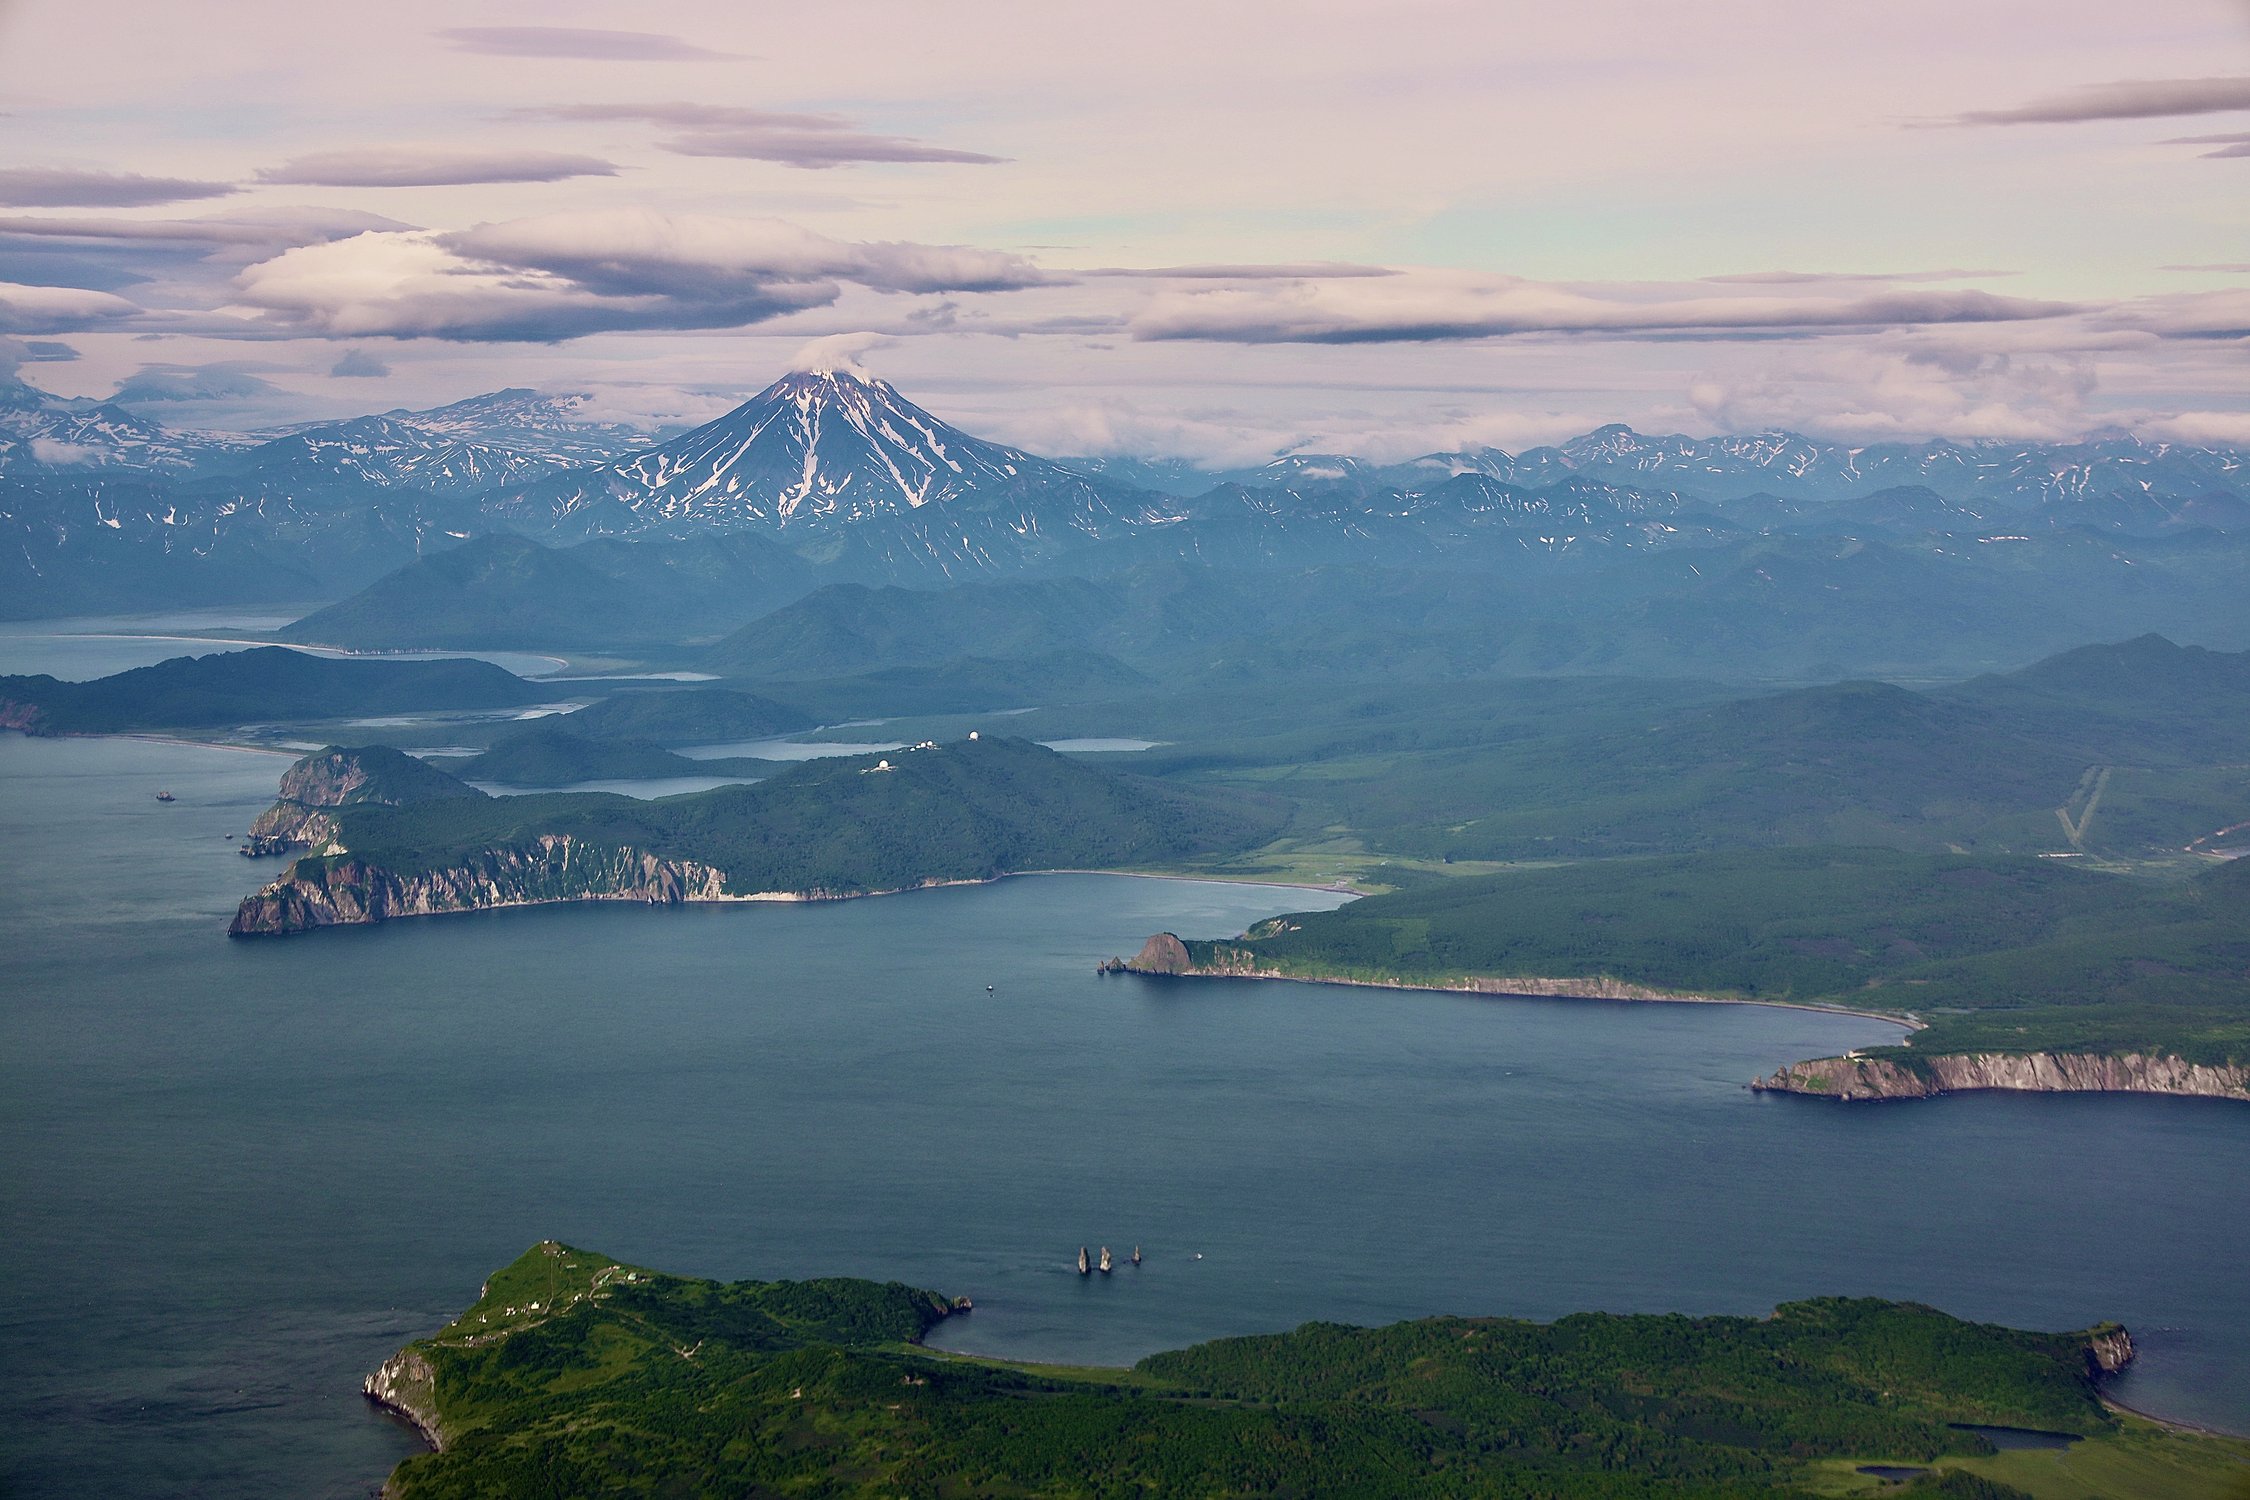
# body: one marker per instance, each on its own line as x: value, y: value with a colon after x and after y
x: 2049, y: 976
x: 974, y: 809
x: 575, y: 1374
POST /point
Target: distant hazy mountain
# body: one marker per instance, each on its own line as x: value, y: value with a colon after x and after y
x: 554, y: 427
x: 390, y: 453
x: 45, y: 433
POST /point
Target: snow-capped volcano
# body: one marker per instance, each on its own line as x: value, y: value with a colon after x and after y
x: 827, y: 446
x: 835, y: 450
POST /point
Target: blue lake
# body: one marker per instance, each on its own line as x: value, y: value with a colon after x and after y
x: 239, y: 1174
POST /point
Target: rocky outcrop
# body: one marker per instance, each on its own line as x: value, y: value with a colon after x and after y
x: 27, y: 717
x: 1856, y: 1079
x: 553, y: 867
x: 406, y: 1383
x: 2109, y: 1348
x: 290, y: 824
x: 1161, y: 954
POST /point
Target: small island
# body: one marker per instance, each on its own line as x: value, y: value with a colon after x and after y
x: 575, y: 1373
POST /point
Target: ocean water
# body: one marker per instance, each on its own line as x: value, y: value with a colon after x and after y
x: 240, y: 1174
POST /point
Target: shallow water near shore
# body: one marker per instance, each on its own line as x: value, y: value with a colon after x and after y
x: 242, y: 1173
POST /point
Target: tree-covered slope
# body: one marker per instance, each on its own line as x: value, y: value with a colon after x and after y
x: 574, y: 1374
x: 1999, y: 953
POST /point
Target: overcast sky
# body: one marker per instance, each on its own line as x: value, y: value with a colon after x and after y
x: 1222, y: 230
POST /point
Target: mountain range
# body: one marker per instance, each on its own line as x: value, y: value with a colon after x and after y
x: 840, y: 478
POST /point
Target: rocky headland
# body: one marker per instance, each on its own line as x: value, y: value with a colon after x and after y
x: 1857, y: 1079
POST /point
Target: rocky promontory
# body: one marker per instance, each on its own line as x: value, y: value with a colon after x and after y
x: 1856, y: 1079
x: 552, y: 867
x: 367, y: 775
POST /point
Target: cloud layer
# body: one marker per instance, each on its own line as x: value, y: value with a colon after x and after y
x: 411, y: 166
x: 812, y: 141
x: 55, y: 187
x: 577, y: 43
x: 1428, y: 306
x: 2131, y: 99
x: 559, y: 276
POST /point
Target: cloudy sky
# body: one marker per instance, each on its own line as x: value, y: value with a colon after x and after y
x: 1220, y: 231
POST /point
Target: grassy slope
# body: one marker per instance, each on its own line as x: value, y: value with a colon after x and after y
x: 1997, y: 952
x: 624, y: 1381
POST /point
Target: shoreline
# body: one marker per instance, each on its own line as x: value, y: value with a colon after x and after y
x: 1493, y: 986
x: 2173, y: 1424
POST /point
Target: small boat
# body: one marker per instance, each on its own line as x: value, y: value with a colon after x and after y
x: 1105, y: 1265
x: 1136, y: 1255
x: 166, y: 797
x: 988, y: 989
x: 1084, y: 1267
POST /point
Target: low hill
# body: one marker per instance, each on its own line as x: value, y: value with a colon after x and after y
x: 971, y: 810
x: 576, y: 1374
x: 687, y: 716
x: 967, y: 684
x: 545, y: 752
x: 262, y: 684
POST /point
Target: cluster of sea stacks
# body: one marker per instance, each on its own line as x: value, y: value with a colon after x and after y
x: 1087, y: 1265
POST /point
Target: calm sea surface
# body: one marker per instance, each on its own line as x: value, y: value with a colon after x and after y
x: 240, y: 1174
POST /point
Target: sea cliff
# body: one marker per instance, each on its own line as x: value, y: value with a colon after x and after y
x: 406, y: 1384
x: 1857, y: 1079
x: 553, y: 867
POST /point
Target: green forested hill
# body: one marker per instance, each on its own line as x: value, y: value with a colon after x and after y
x: 578, y: 1375
x: 967, y: 810
x: 970, y: 810
x: 1999, y: 953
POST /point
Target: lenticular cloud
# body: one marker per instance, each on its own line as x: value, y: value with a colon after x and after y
x: 559, y: 276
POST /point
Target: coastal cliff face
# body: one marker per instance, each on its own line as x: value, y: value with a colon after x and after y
x: 407, y: 1384
x: 1862, y: 1078
x: 296, y: 823
x: 554, y: 867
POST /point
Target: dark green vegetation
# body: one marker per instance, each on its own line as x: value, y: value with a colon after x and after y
x: 547, y: 753
x: 1581, y: 767
x: 263, y: 684
x: 576, y: 1375
x: 1997, y: 953
x: 687, y: 716
x: 971, y: 810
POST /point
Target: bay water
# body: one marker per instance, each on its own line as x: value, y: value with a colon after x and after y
x: 239, y: 1174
